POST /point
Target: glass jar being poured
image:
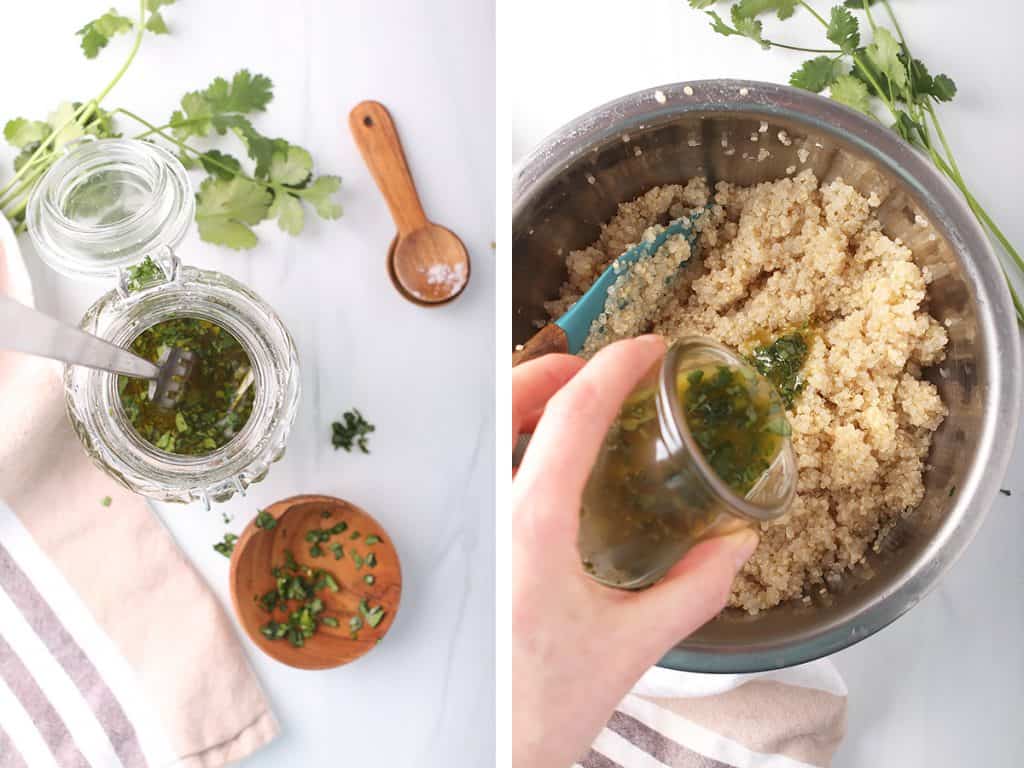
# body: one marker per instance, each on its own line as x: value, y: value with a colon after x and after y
x: 699, y: 449
x: 116, y: 209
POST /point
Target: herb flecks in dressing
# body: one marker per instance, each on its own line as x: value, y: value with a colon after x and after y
x: 780, y: 362
x: 737, y: 421
x: 206, y: 415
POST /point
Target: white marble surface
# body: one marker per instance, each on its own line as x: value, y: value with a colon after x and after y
x: 942, y: 687
x: 425, y: 377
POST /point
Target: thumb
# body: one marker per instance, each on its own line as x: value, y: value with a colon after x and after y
x: 697, y: 587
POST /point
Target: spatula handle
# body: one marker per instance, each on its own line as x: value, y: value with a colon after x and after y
x: 548, y: 339
x: 375, y: 135
x: 24, y: 329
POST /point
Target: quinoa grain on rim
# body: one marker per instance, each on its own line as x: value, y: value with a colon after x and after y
x: 789, y: 254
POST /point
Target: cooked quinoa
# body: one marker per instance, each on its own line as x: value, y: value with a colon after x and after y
x: 795, y: 254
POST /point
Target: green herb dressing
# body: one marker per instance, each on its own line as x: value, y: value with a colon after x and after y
x: 210, y: 410
x: 646, y: 502
x: 781, y: 362
x: 736, y: 419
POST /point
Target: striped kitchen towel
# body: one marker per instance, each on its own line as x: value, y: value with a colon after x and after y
x: 113, y: 653
x: 790, y: 718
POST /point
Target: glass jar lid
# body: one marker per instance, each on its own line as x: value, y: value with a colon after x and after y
x: 108, y: 203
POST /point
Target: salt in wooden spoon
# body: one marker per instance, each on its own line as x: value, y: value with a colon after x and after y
x: 427, y: 262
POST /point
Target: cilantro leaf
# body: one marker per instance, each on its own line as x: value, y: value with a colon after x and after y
x: 943, y: 88
x: 817, y: 74
x: 843, y: 30
x: 291, y: 166
x: 748, y: 27
x: 61, y: 119
x: 217, y: 105
x: 701, y: 4
x: 225, y: 211
x: 719, y: 26
x: 156, y: 24
x: 884, y: 54
x: 858, y: 5
x: 850, y: 91
x: 318, y: 194
x: 96, y: 34
x: 257, y: 146
x: 287, y: 209
x: 220, y: 164
x: 20, y: 132
x: 752, y: 8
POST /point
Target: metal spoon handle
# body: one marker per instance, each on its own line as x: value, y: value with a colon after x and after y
x: 28, y: 330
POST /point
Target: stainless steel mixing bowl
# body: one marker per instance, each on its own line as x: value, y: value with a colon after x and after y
x: 572, y: 183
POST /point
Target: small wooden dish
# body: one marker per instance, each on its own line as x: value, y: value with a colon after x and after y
x: 258, y: 551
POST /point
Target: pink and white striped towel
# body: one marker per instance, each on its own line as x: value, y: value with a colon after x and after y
x: 113, y: 653
x: 790, y: 718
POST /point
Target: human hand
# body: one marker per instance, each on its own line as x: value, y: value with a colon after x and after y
x: 577, y: 646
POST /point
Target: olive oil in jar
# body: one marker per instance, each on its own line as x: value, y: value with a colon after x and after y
x: 215, y: 401
x: 654, y: 493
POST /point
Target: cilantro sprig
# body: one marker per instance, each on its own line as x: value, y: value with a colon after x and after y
x: 281, y: 185
x: 876, y: 76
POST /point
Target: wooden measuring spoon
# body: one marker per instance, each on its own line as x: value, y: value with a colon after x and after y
x: 258, y: 551
x: 427, y: 262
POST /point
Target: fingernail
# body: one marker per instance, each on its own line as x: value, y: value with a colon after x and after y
x: 652, y: 338
x: 742, y: 545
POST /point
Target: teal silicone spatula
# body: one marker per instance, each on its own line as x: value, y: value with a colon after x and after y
x: 569, y: 332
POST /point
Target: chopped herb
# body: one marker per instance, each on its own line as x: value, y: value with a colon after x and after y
x: 226, y: 518
x: 145, y: 273
x: 265, y: 520
x: 354, y: 535
x: 355, y: 623
x: 780, y: 362
x: 106, y: 501
x: 352, y: 430
x: 326, y: 513
x: 952, y: 490
x: 737, y: 420
x: 372, y: 539
x: 315, y: 551
x: 227, y: 546
x: 339, y: 527
x: 371, y: 560
x: 289, y: 561
x: 1005, y: 491
x: 337, y: 551
x: 369, y: 579
x: 300, y: 587
x: 358, y: 560
x: 373, y: 615
x: 269, y: 600
x: 211, y: 407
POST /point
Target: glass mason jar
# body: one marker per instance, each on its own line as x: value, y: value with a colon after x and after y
x: 652, y: 495
x: 102, y: 208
